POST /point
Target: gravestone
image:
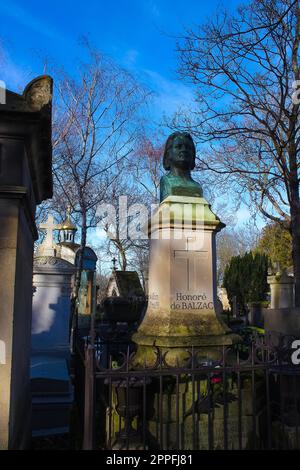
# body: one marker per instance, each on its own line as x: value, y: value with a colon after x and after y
x: 285, y: 321
x: 282, y: 316
x: 125, y: 298
x: 125, y: 284
x: 121, y: 311
x: 282, y: 290
x: 25, y: 181
x: 256, y: 314
x: 52, y: 394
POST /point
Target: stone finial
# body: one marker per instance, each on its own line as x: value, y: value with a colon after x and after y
x: 38, y: 93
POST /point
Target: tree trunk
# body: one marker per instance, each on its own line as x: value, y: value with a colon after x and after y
x: 292, y: 151
x: 295, y: 232
x: 295, y: 222
x: 81, y: 254
x: 122, y: 253
x: 74, y: 310
x: 124, y: 260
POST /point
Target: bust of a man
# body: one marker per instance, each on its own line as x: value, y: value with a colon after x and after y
x: 179, y: 160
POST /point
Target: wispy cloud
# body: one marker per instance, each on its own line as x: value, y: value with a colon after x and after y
x: 14, y: 76
x: 242, y: 215
x: 22, y: 16
x: 130, y: 57
x: 154, y: 9
x: 170, y: 95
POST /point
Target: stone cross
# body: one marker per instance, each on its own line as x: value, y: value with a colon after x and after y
x: 114, y: 263
x: 47, y: 248
x: 192, y: 258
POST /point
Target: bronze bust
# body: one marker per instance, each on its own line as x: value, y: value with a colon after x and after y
x: 179, y: 159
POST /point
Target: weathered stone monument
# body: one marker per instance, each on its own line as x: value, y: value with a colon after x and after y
x: 125, y: 299
x: 25, y: 181
x: 52, y: 394
x: 282, y: 290
x: 182, y: 328
x: 282, y: 316
x: 124, y: 284
x: 119, y: 313
x: 182, y: 275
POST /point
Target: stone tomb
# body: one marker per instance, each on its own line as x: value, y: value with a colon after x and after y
x: 282, y: 290
x: 282, y: 316
x: 25, y: 181
x: 52, y: 393
x: 125, y: 284
x: 51, y: 305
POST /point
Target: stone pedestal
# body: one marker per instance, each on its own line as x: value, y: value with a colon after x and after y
x: 282, y: 290
x: 51, y: 306
x: 284, y: 321
x: 51, y: 388
x: 25, y: 180
x: 182, y: 283
x: 256, y: 314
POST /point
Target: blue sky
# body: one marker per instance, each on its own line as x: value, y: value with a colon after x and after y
x: 135, y: 32
x: 138, y: 34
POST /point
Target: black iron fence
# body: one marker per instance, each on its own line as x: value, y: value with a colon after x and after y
x: 246, y: 398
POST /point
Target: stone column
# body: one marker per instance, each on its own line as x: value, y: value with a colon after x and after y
x: 182, y: 282
x: 25, y: 180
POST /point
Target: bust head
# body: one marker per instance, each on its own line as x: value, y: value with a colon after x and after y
x: 179, y: 152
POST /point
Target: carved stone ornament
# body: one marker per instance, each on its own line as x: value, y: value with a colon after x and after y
x: 53, y: 261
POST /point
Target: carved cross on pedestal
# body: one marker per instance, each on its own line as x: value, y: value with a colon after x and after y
x: 192, y: 258
x: 47, y: 247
